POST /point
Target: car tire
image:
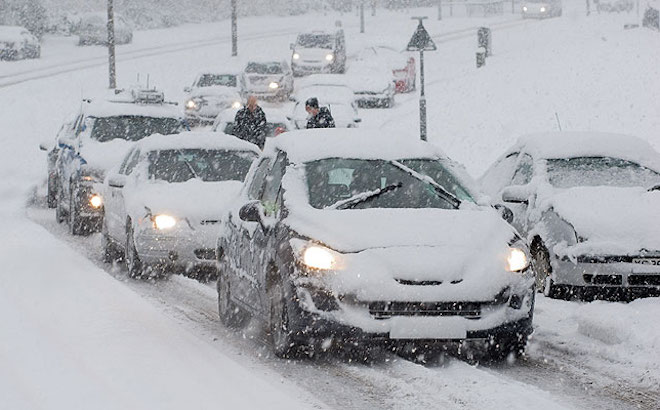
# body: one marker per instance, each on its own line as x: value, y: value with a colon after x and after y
x: 131, y: 257
x: 60, y: 214
x: 281, y: 336
x: 76, y: 222
x: 110, y: 251
x: 51, y: 196
x: 230, y: 314
x: 504, y: 348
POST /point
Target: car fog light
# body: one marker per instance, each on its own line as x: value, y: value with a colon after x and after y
x: 329, y: 57
x: 516, y: 260
x: 542, y: 9
x: 318, y: 257
x: 273, y: 85
x: 524, y: 8
x: 296, y: 56
x: 164, y: 222
x: 96, y: 201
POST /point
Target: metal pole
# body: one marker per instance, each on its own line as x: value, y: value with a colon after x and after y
x: 362, y: 16
x: 439, y: 9
x: 513, y: 7
x: 234, y: 29
x: 422, y: 99
x: 112, y: 71
x: 373, y: 8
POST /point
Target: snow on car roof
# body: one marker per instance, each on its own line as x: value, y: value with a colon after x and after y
x: 309, y: 145
x: 577, y: 144
x: 196, y: 139
x: 100, y: 108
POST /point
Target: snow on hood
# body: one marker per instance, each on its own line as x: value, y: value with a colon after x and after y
x: 370, y: 78
x: 215, y: 91
x: 101, y: 156
x: 612, y: 219
x: 194, y: 199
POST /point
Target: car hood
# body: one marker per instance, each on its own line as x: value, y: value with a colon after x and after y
x: 215, y: 92
x: 102, y: 156
x: 617, y: 219
x: 194, y: 200
x: 371, y: 80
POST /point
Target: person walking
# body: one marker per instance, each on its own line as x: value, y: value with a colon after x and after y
x: 319, y: 117
x: 250, y: 123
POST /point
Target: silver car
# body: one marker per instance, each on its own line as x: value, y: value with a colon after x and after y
x: 210, y: 94
x: 269, y: 80
x: 588, y: 203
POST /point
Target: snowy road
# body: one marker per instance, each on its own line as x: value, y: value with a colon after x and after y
x: 571, y: 362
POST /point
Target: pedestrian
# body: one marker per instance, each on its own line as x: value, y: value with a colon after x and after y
x: 319, y: 117
x: 250, y: 123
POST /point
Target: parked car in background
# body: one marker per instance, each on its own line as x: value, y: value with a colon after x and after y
x: 319, y: 52
x: 341, y: 236
x: 339, y: 99
x: 402, y: 66
x: 98, y: 137
x: 583, y: 200
x: 17, y: 43
x: 92, y: 28
x: 373, y: 85
x: 268, y: 80
x: 541, y: 8
x: 164, y: 199
x: 211, y: 93
x: 276, y: 122
x: 614, y: 5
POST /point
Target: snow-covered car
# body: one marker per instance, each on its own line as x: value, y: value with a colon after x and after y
x: 276, y: 122
x: 541, y: 8
x: 270, y: 80
x: 339, y: 99
x: 210, y: 93
x: 588, y: 203
x: 92, y: 28
x: 163, y: 203
x: 402, y: 66
x: 614, y: 6
x: 102, y: 132
x: 353, y: 235
x: 319, y: 52
x: 17, y: 43
x: 372, y: 84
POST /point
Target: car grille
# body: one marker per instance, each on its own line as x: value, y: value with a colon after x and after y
x: 384, y: 310
x: 644, y: 280
x: 205, y: 253
x: 616, y: 280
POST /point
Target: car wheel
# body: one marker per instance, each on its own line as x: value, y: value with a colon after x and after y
x: 51, y: 196
x: 544, y: 283
x: 76, y: 222
x: 230, y: 314
x: 284, y: 344
x: 133, y: 263
x: 504, y: 348
x: 60, y: 214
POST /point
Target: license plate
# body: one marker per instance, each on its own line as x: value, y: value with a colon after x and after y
x: 427, y: 328
x: 647, y: 261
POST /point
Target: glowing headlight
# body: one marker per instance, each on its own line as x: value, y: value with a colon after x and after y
x: 164, y: 222
x: 542, y: 9
x: 296, y: 56
x: 191, y: 105
x: 236, y: 105
x: 96, y: 201
x: 329, y: 57
x: 516, y: 260
x: 273, y: 85
x: 524, y: 8
x: 318, y: 257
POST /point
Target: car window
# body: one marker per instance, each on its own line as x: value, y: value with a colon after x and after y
x: 272, y: 188
x: 132, y: 162
x: 524, y: 171
x: 499, y: 174
x: 122, y: 167
x: 257, y: 184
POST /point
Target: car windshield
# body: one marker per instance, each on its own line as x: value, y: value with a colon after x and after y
x: 315, y: 41
x: 132, y: 128
x: 272, y: 129
x: 181, y: 165
x: 264, y: 68
x: 441, y: 175
x: 599, y: 171
x: 209, y: 80
x: 333, y: 180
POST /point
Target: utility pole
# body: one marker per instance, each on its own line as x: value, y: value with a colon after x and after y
x: 421, y: 41
x: 112, y: 70
x: 440, y: 9
x: 234, y: 29
x: 361, y: 16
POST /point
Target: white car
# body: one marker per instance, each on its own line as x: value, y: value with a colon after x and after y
x: 92, y: 28
x: 362, y: 236
x: 319, y: 52
x: 588, y: 203
x: 541, y: 8
x: 402, y: 66
x: 268, y: 80
x: 372, y: 82
x: 211, y: 93
x: 339, y: 99
x: 276, y: 122
x: 163, y: 202
x: 18, y: 43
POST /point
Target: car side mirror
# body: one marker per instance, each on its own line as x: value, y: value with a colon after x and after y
x: 357, y: 120
x: 516, y: 194
x: 44, y: 146
x: 187, y: 89
x: 505, y: 212
x: 117, y: 181
x: 251, y: 212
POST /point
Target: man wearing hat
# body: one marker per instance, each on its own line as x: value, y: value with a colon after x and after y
x: 319, y: 117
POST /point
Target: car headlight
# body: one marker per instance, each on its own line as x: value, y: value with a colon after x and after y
x: 236, y: 105
x: 524, y: 8
x: 320, y: 257
x: 273, y: 85
x: 542, y: 9
x: 163, y: 221
x: 96, y: 201
x: 296, y: 56
x: 516, y: 260
x: 191, y: 105
x: 329, y: 57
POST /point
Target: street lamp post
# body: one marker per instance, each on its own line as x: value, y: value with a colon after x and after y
x: 234, y: 29
x: 421, y: 41
x: 112, y: 71
x: 362, y: 16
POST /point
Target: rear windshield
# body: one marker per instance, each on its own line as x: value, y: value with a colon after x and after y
x: 209, y: 80
x: 132, y: 128
x: 181, y: 165
x: 264, y: 68
x: 316, y: 41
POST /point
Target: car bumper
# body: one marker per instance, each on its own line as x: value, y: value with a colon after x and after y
x: 189, y: 250
x: 374, y: 99
x: 311, y: 68
x: 606, y: 272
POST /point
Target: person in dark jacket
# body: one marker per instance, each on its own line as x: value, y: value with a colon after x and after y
x: 250, y: 123
x: 319, y: 117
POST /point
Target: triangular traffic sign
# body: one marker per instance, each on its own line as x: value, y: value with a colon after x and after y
x: 421, y: 40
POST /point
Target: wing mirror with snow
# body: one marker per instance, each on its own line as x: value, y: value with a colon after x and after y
x: 251, y: 212
x: 117, y: 181
x: 187, y: 89
x: 505, y: 212
x: 516, y: 194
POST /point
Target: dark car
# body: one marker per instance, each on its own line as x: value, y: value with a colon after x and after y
x: 348, y: 235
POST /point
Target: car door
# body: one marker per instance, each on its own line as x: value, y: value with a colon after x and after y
x: 117, y: 215
x: 520, y: 181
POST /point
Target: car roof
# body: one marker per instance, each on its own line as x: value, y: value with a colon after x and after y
x: 588, y: 144
x: 322, y: 80
x: 196, y: 139
x: 103, y: 108
x: 309, y: 145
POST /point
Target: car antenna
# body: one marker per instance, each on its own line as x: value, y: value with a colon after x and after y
x: 558, y: 122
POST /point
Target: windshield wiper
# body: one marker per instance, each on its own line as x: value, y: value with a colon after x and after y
x: 439, y: 189
x: 363, y: 197
x: 190, y: 168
